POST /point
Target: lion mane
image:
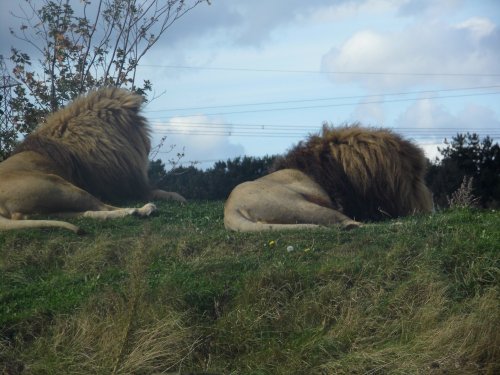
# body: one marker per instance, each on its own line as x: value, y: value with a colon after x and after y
x: 99, y: 142
x: 369, y: 174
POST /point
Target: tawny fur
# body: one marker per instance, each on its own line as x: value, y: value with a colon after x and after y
x: 351, y: 173
x: 370, y: 174
x: 95, y: 148
x: 285, y: 199
x: 100, y: 143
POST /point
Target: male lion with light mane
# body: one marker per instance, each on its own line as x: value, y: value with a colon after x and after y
x: 344, y: 176
x: 95, y: 148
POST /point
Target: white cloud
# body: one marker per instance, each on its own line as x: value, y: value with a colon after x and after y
x: 243, y: 22
x: 432, y: 47
x: 258, y: 18
x: 201, y: 139
x: 427, y: 114
x: 478, y: 27
x: 371, y: 114
x: 431, y: 150
x: 477, y: 116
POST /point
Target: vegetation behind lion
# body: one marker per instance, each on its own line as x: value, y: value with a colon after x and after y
x: 369, y: 174
x: 100, y: 143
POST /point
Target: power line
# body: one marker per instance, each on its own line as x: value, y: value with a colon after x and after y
x: 239, y: 129
x: 234, y: 134
x: 333, y: 105
x: 237, y: 133
x: 281, y: 127
x: 243, y: 69
x: 322, y: 99
x: 194, y: 131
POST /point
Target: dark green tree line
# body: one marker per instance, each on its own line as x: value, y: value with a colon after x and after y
x: 213, y: 183
x: 466, y: 155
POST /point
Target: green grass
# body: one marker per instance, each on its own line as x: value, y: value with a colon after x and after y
x: 177, y: 293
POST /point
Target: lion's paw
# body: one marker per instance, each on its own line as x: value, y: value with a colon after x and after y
x: 351, y: 224
x: 146, y: 210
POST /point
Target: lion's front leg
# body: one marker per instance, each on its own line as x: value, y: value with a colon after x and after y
x: 116, y: 212
x: 50, y: 194
x: 350, y: 224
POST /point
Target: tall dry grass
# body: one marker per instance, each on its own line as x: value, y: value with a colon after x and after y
x: 178, y: 294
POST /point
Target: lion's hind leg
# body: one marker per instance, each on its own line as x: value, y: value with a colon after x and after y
x: 305, y: 215
x: 266, y: 204
x: 307, y: 211
x: 238, y: 221
x: 38, y: 193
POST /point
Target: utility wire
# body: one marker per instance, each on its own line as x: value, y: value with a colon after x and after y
x: 244, y: 133
x: 232, y: 133
x: 322, y: 99
x: 209, y: 125
x: 318, y: 71
x: 332, y: 105
x: 197, y: 128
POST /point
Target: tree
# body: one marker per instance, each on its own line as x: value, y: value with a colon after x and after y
x: 467, y: 156
x: 156, y: 172
x: 95, y: 44
x: 213, y: 183
x: 8, y: 132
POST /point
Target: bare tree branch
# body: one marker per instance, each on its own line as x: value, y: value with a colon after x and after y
x: 76, y: 49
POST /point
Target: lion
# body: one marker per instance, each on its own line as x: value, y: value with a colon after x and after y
x: 344, y: 176
x: 94, y: 149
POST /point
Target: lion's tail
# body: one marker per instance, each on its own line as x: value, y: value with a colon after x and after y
x: 9, y: 224
x: 238, y: 223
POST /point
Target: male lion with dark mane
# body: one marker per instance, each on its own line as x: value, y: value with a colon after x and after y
x: 95, y: 148
x: 344, y: 176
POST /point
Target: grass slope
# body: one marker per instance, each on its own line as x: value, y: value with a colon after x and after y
x: 177, y: 293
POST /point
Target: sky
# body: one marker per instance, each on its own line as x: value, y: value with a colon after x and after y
x: 254, y: 77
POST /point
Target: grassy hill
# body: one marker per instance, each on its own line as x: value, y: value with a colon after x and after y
x: 178, y: 294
